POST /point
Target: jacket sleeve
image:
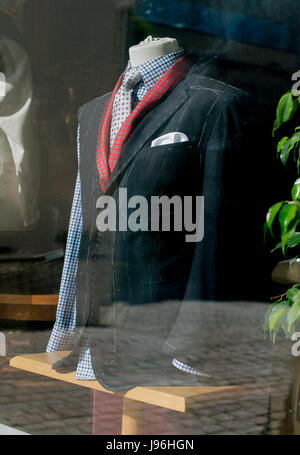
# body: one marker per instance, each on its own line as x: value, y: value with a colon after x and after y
x: 62, y: 336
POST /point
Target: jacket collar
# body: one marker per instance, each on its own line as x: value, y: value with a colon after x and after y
x: 147, y: 128
x: 106, y: 162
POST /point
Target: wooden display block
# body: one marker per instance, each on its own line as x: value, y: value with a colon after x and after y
x: 177, y: 398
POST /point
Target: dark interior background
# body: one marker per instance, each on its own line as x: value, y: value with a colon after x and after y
x: 78, y: 48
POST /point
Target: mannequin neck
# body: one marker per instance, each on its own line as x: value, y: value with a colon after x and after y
x: 151, y: 48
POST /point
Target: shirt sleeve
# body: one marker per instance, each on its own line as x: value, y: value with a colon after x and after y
x: 62, y: 336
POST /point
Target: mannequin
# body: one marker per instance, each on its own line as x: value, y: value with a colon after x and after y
x: 151, y: 48
x: 19, y: 164
x: 131, y: 283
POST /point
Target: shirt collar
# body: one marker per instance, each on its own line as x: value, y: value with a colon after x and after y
x: 153, y: 69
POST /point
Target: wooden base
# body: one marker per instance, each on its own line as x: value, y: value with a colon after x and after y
x: 174, y: 398
x: 132, y: 417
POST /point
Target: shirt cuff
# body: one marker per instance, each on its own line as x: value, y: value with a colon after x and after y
x: 61, y: 340
x: 187, y: 369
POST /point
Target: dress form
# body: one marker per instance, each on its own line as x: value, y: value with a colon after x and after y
x: 151, y: 48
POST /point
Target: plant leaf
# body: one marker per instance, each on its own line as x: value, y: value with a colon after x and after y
x: 266, y: 318
x: 285, y: 110
x: 280, y: 143
x: 296, y: 137
x: 272, y: 212
x: 291, y: 242
x: 285, y: 150
x: 292, y: 293
x: 281, y: 323
x: 286, y: 145
x: 278, y: 310
x: 277, y: 247
x: 284, y: 325
x: 296, y: 191
x: 294, y: 312
x: 288, y: 220
x: 294, y: 240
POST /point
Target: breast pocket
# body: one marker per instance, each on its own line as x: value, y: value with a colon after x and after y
x: 166, y: 169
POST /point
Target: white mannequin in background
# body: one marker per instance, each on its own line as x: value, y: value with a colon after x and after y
x: 19, y: 153
x: 151, y: 48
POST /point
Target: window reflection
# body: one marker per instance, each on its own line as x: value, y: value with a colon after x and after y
x: 57, y: 55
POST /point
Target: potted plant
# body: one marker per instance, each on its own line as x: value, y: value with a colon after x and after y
x: 284, y: 312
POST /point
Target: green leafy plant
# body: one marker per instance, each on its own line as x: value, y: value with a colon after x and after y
x: 284, y: 312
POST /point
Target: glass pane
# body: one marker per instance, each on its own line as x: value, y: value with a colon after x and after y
x: 137, y: 304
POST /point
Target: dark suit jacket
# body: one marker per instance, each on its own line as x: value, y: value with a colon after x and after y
x: 131, y: 285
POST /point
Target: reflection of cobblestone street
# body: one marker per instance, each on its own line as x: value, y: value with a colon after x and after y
x: 34, y: 403
x: 40, y: 405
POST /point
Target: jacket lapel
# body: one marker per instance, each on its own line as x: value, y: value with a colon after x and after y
x: 146, y: 130
x: 169, y: 80
x: 103, y: 138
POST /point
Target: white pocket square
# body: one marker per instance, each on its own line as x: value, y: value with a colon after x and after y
x: 170, y: 138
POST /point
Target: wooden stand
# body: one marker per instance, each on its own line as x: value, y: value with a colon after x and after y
x: 173, y: 398
x: 132, y: 417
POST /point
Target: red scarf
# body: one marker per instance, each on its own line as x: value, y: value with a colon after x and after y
x: 106, y: 160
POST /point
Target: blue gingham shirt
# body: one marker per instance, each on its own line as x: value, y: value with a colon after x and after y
x: 62, y: 336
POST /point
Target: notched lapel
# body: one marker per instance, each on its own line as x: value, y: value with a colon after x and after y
x: 146, y: 129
